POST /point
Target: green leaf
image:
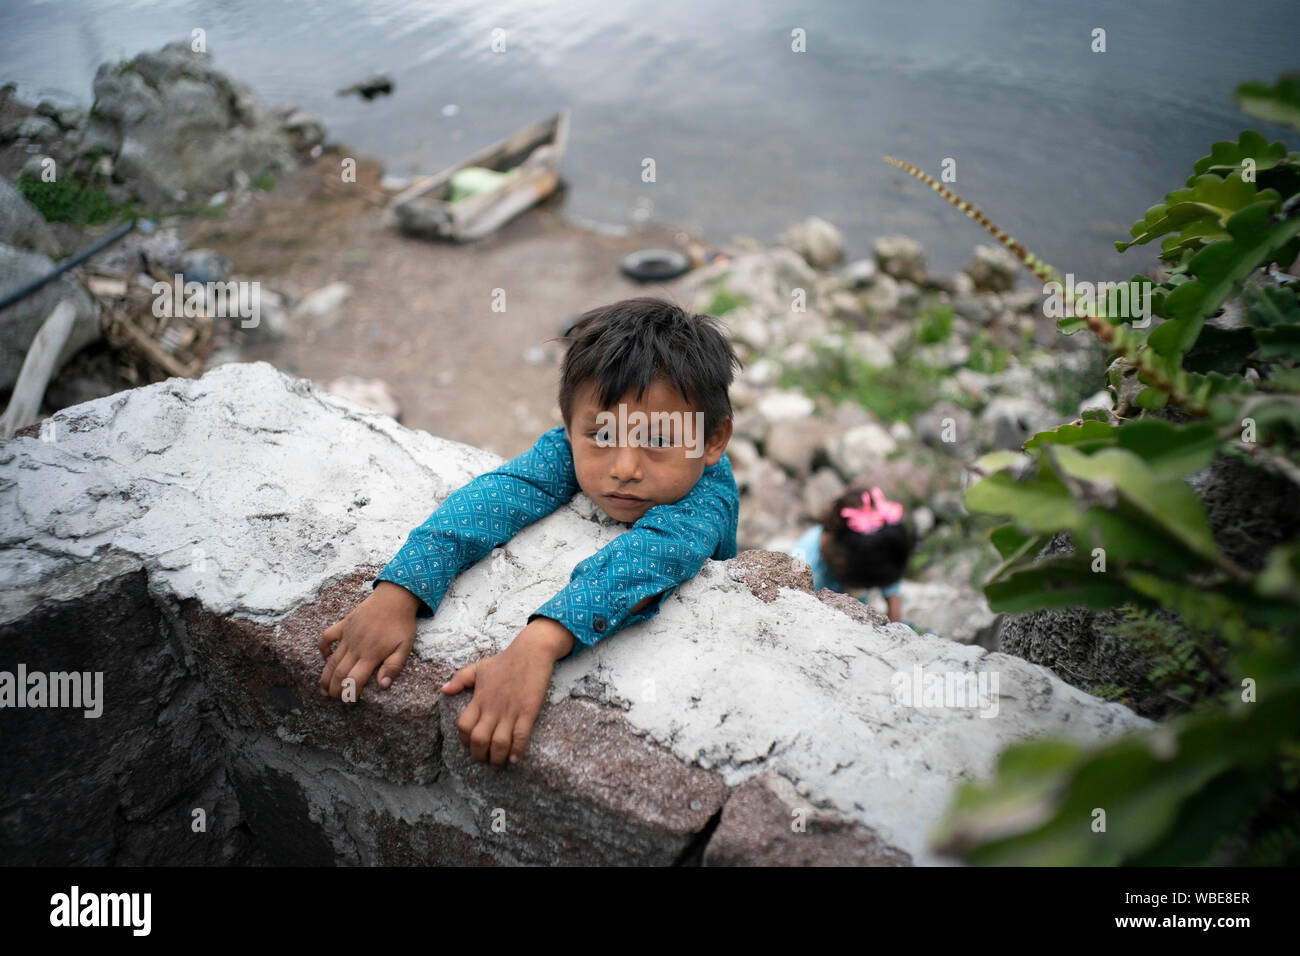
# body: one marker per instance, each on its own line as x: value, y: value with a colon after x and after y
x: 1155, y: 788
x: 1279, y: 342
x: 1008, y: 539
x: 1170, y: 451
x: 1218, y: 268
x: 1271, y: 305
x: 1166, y: 502
x: 1057, y: 583
x: 1041, y: 504
x: 1151, y: 399
x: 1209, y: 201
x: 1093, y: 434
x: 1249, y: 145
x: 1277, y: 104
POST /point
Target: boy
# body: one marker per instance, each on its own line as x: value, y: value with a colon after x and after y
x: 636, y: 360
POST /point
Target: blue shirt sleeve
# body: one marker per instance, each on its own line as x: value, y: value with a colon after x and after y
x: 482, y: 514
x: 666, y: 546
x: 890, y: 589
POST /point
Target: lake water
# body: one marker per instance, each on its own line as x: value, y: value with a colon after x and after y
x: 1062, y: 146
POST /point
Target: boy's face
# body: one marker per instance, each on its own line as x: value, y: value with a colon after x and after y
x: 633, y: 474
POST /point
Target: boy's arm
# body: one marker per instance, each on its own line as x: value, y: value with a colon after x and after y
x: 666, y: 546
x: 482, y: 514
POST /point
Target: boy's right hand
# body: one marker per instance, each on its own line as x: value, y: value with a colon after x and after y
x: 379, y: 632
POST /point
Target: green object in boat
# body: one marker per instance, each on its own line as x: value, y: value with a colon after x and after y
x: 473, y: 180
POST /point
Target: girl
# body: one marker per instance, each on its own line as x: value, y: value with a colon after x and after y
x: 862, y: 542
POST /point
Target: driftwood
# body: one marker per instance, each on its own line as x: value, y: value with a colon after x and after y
x: 38, y: 366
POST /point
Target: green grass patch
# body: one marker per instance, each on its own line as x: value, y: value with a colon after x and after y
x: 895, y: 393
x: 724, y: 300
x: 986, y: 356
x: 935, y: 325
x: 263, y: 181
x: 74, y: 201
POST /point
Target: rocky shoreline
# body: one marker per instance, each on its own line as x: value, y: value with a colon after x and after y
x: 871, y: 367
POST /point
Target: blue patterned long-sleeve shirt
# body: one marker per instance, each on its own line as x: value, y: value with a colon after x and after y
x: 666, y: 546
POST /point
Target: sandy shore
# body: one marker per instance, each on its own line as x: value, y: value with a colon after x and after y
x: 420, y: 315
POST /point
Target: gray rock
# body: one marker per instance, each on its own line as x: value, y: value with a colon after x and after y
x: 181, y: 129
x: 304, y: 129
x: 994, y: 269
x: 42, y: 129
x: 21, y: 225
x: 948, y: 428
x: 137, y: 253
x: 1015, y: 420
x: 20, y: 322
x: 955, y: 611
x: 820, y: 491
x: 859, y: 273
x: 860, y: 449
x: 901, y: 257
x: 794, y: 443
x: 777, y: 405
x: 35, y: 167
x: 871, y: 349
x: 884, y: 296
x: 204, y: 266
x: 819, y: 243
x: 973, y: 309
x: 215, y: 578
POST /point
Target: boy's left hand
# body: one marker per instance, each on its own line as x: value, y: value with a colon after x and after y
x: 509, y: 689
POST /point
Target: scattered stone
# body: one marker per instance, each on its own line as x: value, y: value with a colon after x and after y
x: 34, y: 167
x: 994, y: 269
x: 900, y: 257
x: 820, y: 491
x: 861, y: 449
x: 322, y: 304
x: 304, y: 129
x: 204, y: 266
x: 973, y: 309
x: 922, y: 521
x: 957, y: 284
x: 1102, y: 401
x: 819, y: 243
x: 775, y: 406
x: 41, y: 129
x: 859, y: 273
x: 871, y: 349
x: 1015, y: 419
x: 762, y: 372
x: 137, y: 253
x: 793, y: 443
x: 883, y: 297
x: 743, y: 455
x: 948, y: 428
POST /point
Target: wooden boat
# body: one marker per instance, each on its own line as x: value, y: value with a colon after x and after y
x: 426, y: 208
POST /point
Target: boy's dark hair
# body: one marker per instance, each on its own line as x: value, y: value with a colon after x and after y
x: 870, y: 560
x: 630, y: 343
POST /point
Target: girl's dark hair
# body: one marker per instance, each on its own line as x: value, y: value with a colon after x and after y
x: 628, y: 344
x: 865, y: 560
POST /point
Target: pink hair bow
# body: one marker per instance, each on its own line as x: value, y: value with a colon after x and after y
x: 870, y: 518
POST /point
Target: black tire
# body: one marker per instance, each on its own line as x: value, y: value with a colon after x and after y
x: 654, y: 265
